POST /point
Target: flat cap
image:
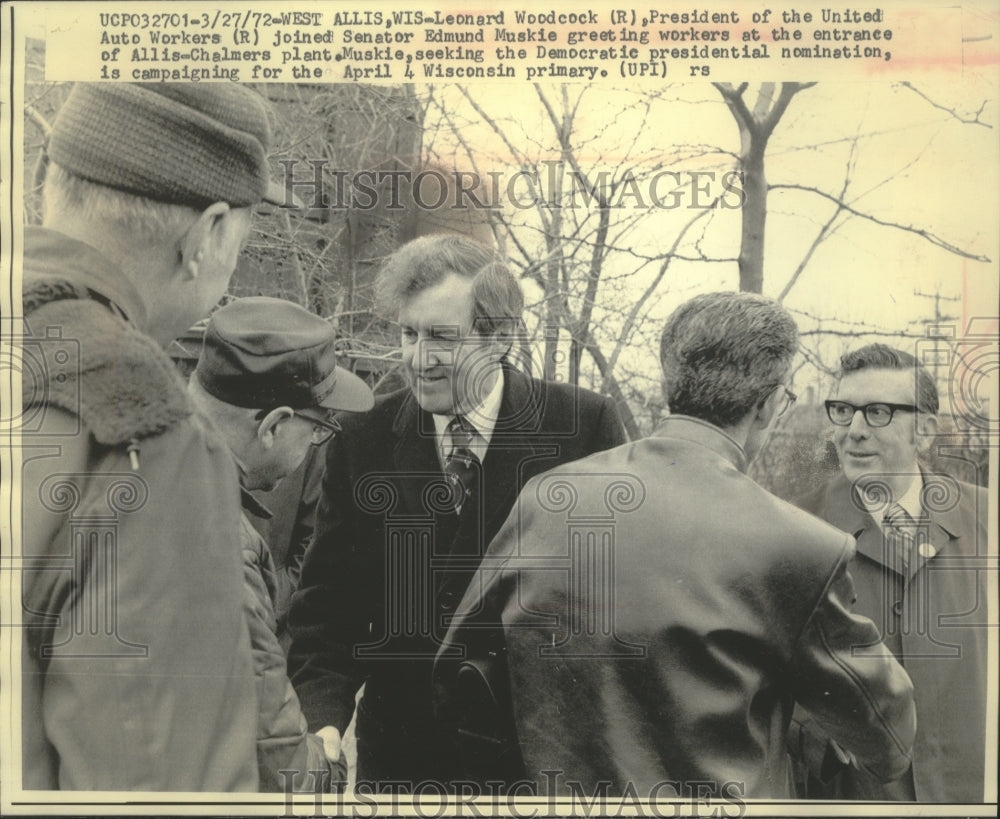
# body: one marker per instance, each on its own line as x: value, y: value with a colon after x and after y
x: 186, y: 143
x: 263, y: 353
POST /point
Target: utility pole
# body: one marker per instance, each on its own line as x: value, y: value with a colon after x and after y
x: 936, y: 329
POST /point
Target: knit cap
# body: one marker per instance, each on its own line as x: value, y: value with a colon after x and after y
x: 186, y: 144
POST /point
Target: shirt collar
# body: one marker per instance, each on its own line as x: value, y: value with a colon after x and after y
x: 877, y: 505
x: 51, y: 254
x: 483, y: 417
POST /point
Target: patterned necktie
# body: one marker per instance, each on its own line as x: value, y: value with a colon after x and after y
x: 461, y: 464
x: 901, y: 534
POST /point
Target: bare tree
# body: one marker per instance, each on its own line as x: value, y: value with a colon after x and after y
x: 756, y: 127
x: 583, y: 261
x: 597, y: 278
x: 600, y: 265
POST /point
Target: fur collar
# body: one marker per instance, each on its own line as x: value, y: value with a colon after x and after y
x: 118, y: 381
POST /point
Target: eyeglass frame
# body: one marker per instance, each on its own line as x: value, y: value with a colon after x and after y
x: 864, y: 408
x: 330, y: 425
x: 790, y: 398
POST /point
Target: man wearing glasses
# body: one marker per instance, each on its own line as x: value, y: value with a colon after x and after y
x: 921, y: 542
x: 663, y: 612
x: 268, y: 380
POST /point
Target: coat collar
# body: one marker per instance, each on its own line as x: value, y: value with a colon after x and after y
x: 702, y: 433
x: 51, y: 254
x: 254, y: 506
x: 842, y: 509
x: 849, y: 516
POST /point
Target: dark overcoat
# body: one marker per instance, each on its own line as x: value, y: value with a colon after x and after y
x: 390, y: 561
x: 935, y: 621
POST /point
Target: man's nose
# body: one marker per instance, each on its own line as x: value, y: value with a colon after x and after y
x: 432, y: 353
x: 859, y: 426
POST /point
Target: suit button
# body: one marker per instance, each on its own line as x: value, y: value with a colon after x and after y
x: 897, y: 607
x: 446, y: 602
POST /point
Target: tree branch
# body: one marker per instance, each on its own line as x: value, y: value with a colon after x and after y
x: 963, y: 120
x: 40, y: 122
x: 637, y: 306
x: 734, y: 99
x: 788, y: 90
x: 924, y: 234
x: 824, y: 231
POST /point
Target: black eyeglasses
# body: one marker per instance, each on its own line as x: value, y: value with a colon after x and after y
x: 878, y: 414
x: 323, y: 428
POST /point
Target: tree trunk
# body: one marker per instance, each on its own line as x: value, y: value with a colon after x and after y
x: 751, y: 259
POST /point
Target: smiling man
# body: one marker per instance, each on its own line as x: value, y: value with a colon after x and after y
x: 412, y: 495
x: 662, y: 612
x: 921, y: 542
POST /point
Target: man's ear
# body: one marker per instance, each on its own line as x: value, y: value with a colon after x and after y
x: 202, y: 238
x: 926, y: 428
x: 268, y: 427
x: 766, y: 409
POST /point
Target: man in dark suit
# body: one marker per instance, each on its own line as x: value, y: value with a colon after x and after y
x: 412, y: 494
x: 662, y: 612
x: 920, y: 575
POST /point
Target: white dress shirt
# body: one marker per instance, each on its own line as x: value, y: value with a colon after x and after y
x: 482, y: 417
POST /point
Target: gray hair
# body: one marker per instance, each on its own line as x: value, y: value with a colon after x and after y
x: 722, y: 353
x: 884, y: 357
x: 423, y: 262
x: 142, y: 220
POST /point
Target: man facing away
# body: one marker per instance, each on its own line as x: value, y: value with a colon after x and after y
x: 920, y: 577
x: 412, y: 494
x: 136, y: 664
x: 662, y: 612
x: 269, y: 382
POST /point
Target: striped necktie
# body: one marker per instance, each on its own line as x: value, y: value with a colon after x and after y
x: 461, y: 464
x: 901, y: 535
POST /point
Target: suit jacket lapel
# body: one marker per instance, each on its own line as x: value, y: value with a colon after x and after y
x: 415, y: 458
x: 849, y: 516
x: 416, y: 462
x: 945, y: 524
x: 511, y: 446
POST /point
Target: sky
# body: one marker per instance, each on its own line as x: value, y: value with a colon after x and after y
x: 911, y: 163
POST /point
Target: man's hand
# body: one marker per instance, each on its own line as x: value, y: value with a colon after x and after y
x: 844, y: 757
x: 331, y: 742
x: 335, y: 757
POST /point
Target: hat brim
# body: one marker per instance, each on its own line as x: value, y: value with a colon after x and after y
x: 350, y: 393
x: 276, y: 194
